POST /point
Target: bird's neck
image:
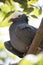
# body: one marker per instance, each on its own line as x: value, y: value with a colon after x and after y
x: 20, y: 21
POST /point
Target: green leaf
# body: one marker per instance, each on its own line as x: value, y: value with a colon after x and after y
x: 7, y: 15
x: 31, y: 2
x: 3, y: 59
x: 0, y: 9
x: 5, y: 8
x: 2, y: 1
x: 28, y: 10
x: 1, y: 46
x: 34, y: 16
x: 20, y: 1
x: 40, y: 10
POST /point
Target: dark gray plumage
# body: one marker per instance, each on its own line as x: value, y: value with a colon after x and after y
x: 21, y: 34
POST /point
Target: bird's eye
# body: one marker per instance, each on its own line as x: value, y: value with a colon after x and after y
x: 19, y: 16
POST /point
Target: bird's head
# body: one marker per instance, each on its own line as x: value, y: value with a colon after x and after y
x: 18, y: 15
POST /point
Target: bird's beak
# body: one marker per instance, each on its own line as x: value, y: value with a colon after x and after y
x: 10, y: 20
